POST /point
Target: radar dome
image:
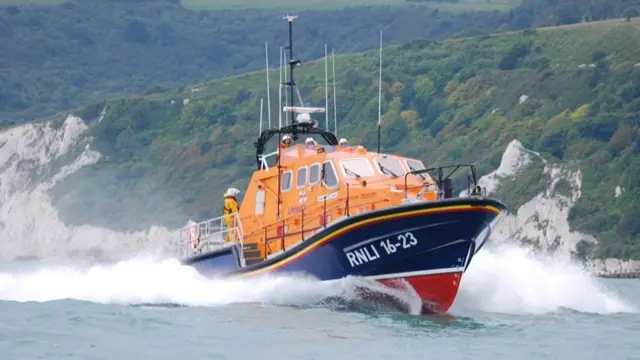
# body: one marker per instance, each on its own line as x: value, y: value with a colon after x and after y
x: 303, y: 118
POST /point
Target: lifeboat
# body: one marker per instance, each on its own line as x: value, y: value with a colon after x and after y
x: 332, y: 210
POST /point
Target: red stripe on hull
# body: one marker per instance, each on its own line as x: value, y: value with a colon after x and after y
x: 437, y: 291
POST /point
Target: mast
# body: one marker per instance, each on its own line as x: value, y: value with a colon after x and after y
x: 292, y: 63
x: 335, y: 107
x: 380, y: 92
x: 266, y: 68
x: 280, y: 93
x: 286, y: 74
x: 326, y: 88
x: 261, y: 111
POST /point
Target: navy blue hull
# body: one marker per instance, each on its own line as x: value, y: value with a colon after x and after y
x: 425, y: 238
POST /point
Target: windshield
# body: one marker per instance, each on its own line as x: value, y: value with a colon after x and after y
x: 416, y: 165
x: 357, y: 167
x: 390, y: 167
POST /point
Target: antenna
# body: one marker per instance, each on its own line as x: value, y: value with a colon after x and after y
x: 292, y: 63
x: 266, y: 60
x: 261, y: 101
x: 280, y: 93
x: 286, y: 74
x: 326, y: 88
x: 380, y: 93
x: 335, y: 112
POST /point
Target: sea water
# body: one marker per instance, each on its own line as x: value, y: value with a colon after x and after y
x: 511, y: 305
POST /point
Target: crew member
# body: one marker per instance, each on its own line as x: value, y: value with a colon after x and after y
x: 342, y: 144
x: 231, y: 207
x: 310, y: 143
x: 286, y: 142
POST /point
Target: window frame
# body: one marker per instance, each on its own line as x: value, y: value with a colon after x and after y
x: 344, y: 173
x: 333, y: 168
x: 319, y: 165
x: 402, y: 165
x: 423, y: 176
x: 282, y: 189
x: 306, y: 177
x: 406, y: 160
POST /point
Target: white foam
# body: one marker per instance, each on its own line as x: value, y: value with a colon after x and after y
x: 512, y: 279
x: 150, y: 281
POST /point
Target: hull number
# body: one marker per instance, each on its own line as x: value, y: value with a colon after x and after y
x: 386, y: 247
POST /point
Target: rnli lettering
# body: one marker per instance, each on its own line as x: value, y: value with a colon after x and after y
x: 372, y: 252
x: 362, y: 255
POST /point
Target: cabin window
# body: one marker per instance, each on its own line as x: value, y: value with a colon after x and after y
x: 314, y: 174
x: 356, y: 167
x: 260, y: 202
x: 390, y: 167
x: 414, y: 165
x: 329, y: 178
x: 286, y: 181
x: 301, y: 179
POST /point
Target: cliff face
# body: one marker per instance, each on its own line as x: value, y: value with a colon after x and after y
x: 542, y: 221
x: 34, y: 158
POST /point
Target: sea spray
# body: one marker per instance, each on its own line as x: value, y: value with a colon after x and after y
x: 506, y: 280
x: 514, y: 279
x: 153, y: 281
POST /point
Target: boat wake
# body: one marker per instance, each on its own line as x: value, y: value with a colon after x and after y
x: 507, y: 280
x: 162, y: 282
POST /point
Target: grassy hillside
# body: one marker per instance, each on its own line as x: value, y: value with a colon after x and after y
x: 30, y: 2
x: 282, y: 4
x: 65, y: 55
x: 311, y: 4
x: 332, y: 4
x: 571, y: 94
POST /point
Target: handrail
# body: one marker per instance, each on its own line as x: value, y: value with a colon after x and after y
x: 471, y: 178
x: 263, y: 159
x: 210, y: 235
x: 303, y: 230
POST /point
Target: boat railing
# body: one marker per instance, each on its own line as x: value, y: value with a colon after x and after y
x: 312, y: 221
x: 212, y: 234
x: 264, y: 165
x: 443, y: 181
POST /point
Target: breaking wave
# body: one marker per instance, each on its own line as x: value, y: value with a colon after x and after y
x: 512, y: 279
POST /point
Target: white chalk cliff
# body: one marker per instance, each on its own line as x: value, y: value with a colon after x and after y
x: 29, y: 223
x: 543, y: 219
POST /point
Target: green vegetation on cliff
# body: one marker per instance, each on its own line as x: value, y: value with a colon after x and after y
x: 572, y: 94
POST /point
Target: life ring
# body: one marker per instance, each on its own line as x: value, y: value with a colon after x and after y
x: 194, y: 236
